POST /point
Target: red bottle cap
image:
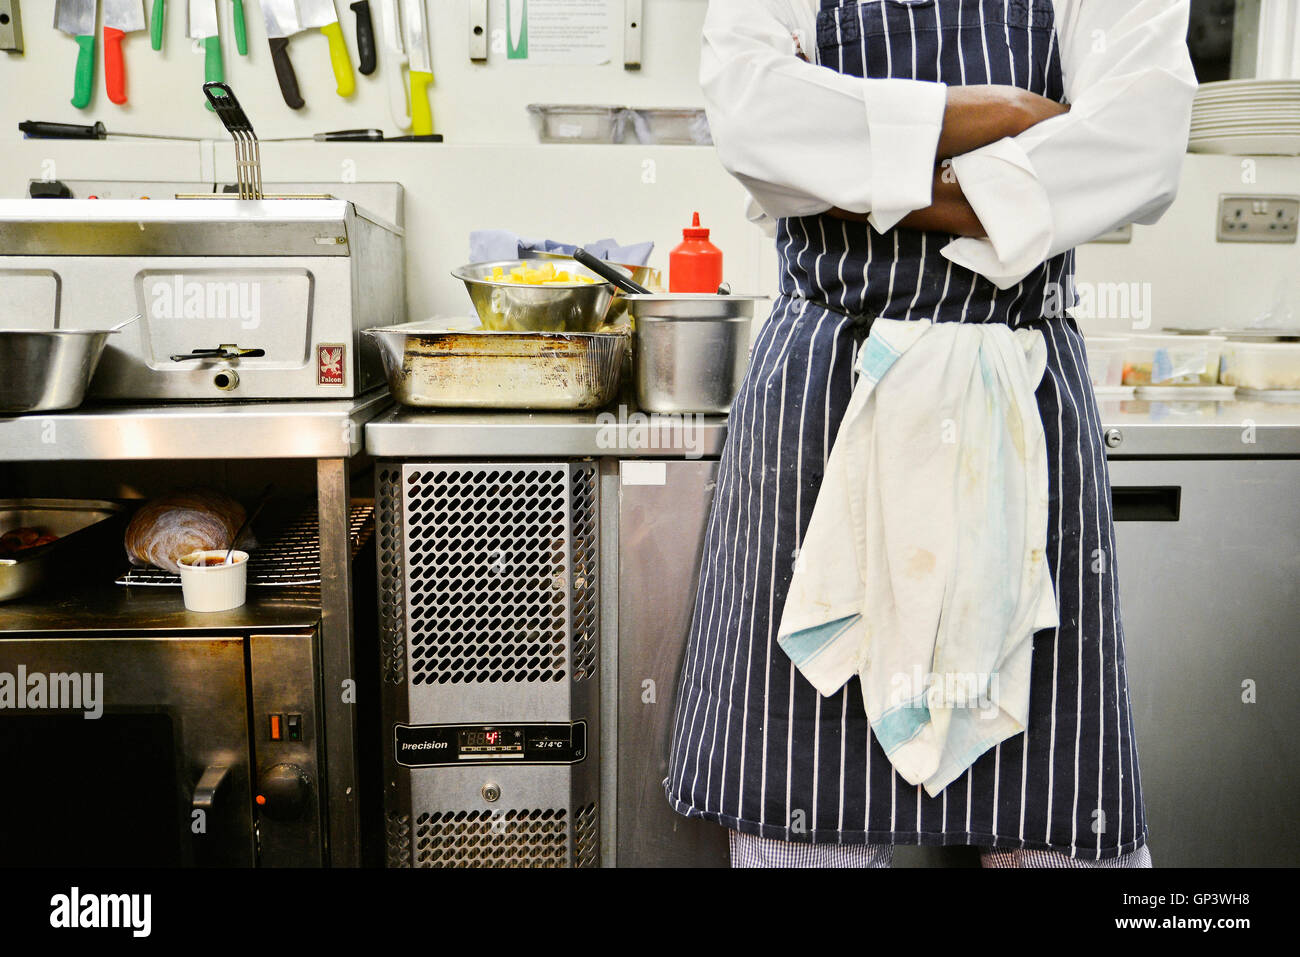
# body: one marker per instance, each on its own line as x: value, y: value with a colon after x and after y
x: 695, y: 230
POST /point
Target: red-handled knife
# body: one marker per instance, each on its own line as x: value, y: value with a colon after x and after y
x: 120, y: 18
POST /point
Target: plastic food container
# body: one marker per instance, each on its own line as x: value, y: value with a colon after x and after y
x: 1172, y: 360
x: 686, y: 127
x: 208, y: 584
x: 579, y: 123
x: 1106, y: 360
x: 1261, y: 365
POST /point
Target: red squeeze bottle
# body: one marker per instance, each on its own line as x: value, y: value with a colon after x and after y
x: 696, y: 264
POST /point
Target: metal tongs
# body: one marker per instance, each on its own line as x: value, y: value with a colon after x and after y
x: 248, y: 157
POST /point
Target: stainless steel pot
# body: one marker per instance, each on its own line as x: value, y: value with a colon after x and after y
x: 691, y: 350
x: 47, y: 369
x: 685, y: 365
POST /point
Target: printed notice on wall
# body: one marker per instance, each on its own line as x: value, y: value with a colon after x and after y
x: 578, y: 32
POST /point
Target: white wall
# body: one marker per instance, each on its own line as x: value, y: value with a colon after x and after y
x: 492, y: 173
x: 472, y: 102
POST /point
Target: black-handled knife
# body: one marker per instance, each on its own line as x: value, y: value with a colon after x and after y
x: 42, y: 130
x: 45, y: 130
x: 365, y: 37
x: 284, y: 72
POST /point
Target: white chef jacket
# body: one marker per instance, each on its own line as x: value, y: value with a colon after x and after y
x: 803, y: 138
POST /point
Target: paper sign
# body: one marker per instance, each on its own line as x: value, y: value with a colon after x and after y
x: 577, y: 32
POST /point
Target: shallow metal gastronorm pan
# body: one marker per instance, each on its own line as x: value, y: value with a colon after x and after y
x: 432, y: 366
x: 79, y: 525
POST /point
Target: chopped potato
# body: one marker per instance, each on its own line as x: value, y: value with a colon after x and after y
x: 546, y: 275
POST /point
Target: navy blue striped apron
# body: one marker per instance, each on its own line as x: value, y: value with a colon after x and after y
x: 754, y: 747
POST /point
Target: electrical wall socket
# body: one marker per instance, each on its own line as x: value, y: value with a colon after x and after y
x: 1258, y: 219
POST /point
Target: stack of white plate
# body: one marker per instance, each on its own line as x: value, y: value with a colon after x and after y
x: 1247, y: 117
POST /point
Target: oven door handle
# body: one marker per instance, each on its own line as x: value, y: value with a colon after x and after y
x: 205, y: 792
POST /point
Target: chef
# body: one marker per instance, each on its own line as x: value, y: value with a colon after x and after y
x: 922, y: 159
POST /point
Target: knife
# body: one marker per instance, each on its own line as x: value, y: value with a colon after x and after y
x: 281, y: 18
x: 203, y: 26
x: 77, y: 18
x: 120, y: 18
x: 395, y: 53
x: 365, y: 37
x: 321, y: 15
x: 241, y: 34
x: 420, y: 75
x: 156, y: 25
x: 45, y: 130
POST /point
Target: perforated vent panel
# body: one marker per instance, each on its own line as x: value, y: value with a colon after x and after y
x: 505, y: 838
x: 397, y: 831
x: 586, y: 642
x: 500, y: 573
x: 392, y: 584
x: 586, y: 836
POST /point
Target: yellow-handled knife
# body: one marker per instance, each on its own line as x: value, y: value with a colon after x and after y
x: 415, y: 22
x: 322, y: 15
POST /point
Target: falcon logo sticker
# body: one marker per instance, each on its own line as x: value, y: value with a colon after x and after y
x: 329, y: 364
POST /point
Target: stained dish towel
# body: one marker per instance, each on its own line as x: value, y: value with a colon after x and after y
x: 923, y: 569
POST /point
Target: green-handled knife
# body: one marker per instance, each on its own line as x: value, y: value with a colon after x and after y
x: 77, y: 18
x: 241, y: 33
x: 156, y: 25
x: 203, y: 26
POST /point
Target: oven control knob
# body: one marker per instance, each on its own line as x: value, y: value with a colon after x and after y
x: 283, y: 792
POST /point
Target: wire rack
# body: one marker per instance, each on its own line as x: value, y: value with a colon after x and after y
x: 291, y: 558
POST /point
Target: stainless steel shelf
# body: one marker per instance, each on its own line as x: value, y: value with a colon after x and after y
x: 304, y: 429
x: 104, y: 607
x: 404, y: 433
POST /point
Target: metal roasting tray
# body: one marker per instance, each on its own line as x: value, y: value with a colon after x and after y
x: 74, y: 521
x: 290, y: 559
x: 449, y: 365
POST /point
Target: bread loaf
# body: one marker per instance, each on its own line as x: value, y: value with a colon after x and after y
x: 167, y: 528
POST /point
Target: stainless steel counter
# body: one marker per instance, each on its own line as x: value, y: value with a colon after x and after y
x: 1242, y: 428
x: 247, y: 430
x: 403, y: 433
x: 1145, y: 429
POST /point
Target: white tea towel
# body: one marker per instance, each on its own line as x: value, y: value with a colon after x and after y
x: 923, y: 569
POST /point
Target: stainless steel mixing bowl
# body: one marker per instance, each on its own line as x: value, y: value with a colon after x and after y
x: 517, y: 307
x: 46, y: 369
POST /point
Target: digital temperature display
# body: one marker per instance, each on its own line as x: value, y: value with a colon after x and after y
x: 524, y: 742
x: 492, y: 741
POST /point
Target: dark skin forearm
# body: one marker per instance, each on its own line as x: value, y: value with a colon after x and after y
x: 974, y: 117
x: 948, y: 212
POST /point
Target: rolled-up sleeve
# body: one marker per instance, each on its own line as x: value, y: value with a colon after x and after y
x: 1114, y: 159
x: 803, y: 138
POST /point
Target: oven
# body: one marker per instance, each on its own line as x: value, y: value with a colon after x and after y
x: 161, y: 749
